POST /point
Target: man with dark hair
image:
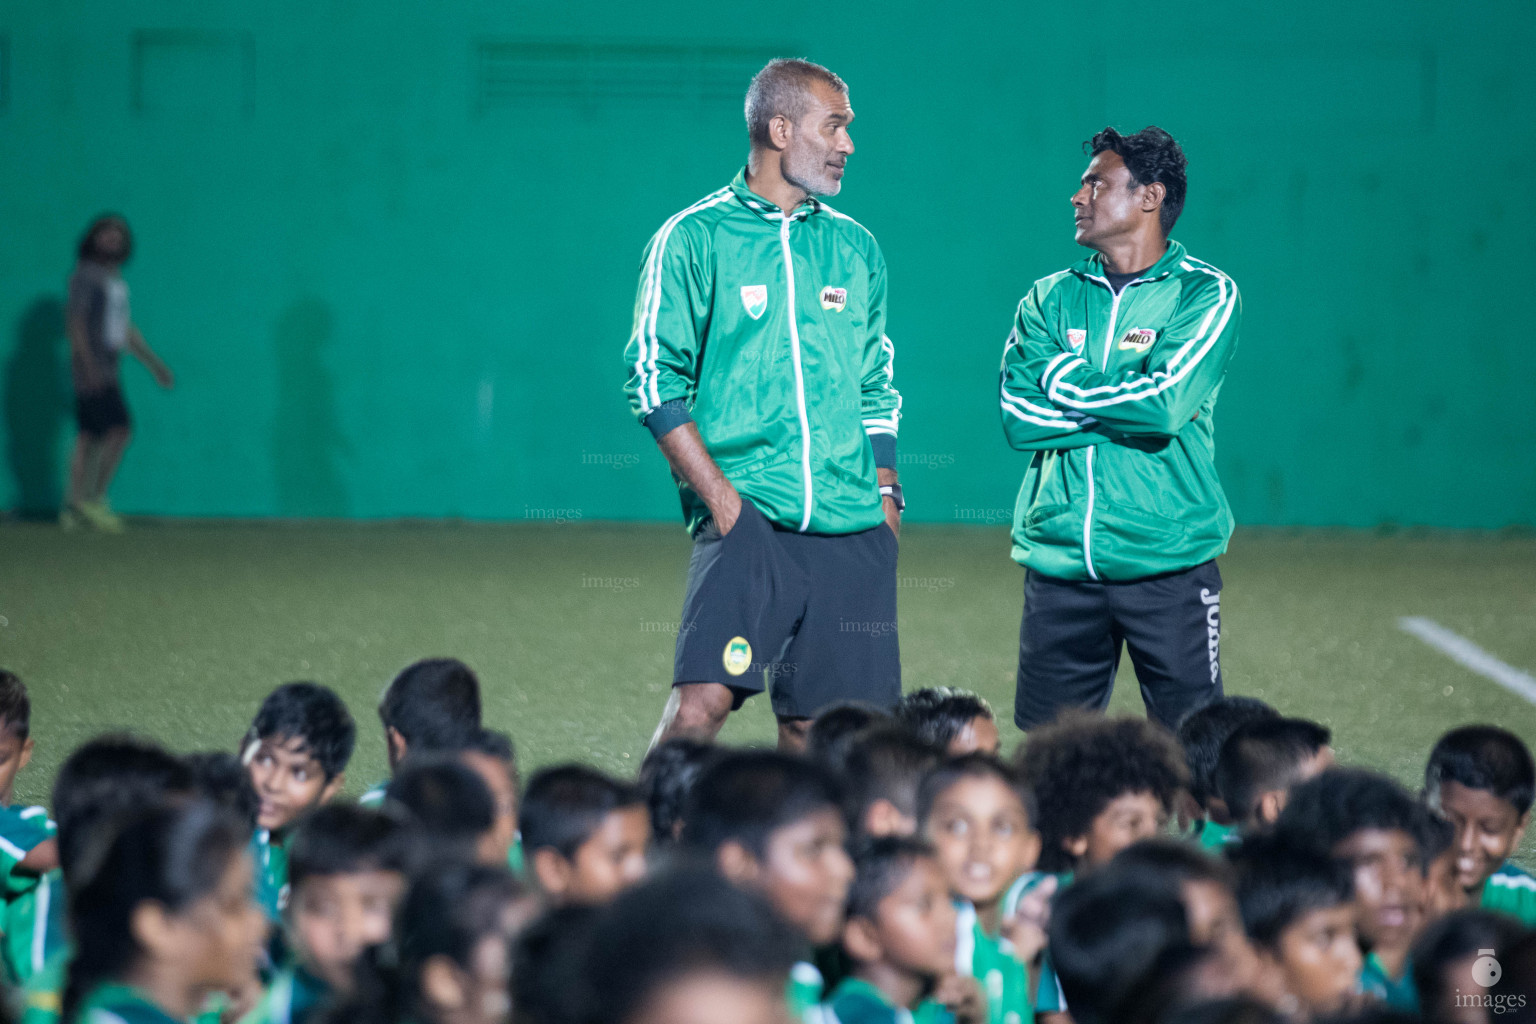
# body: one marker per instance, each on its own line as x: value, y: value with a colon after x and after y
x: 759, y: 362
x: 99, y: 329
x: 1109, y: 379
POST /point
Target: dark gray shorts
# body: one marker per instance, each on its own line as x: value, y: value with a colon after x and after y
x: 1073, y: 631
x: 814, y: 614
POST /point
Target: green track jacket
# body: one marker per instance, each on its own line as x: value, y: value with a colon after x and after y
x: 771, y: 329
x: 1114, y: 395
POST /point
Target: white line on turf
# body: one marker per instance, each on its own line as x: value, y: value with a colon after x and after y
x: 1464, y: 652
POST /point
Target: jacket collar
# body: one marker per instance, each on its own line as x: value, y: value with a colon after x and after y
x: 763, y: 207
x: 1093, y: 266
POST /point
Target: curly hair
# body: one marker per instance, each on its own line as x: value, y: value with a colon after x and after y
x: 1082, y: 762
x: 1152, y: 156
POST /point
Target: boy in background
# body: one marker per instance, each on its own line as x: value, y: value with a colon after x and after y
x: 774, y: 823
x: 1481, y: 778
x: 432, y: 706
x: 494, y: 759
x: 1202, y: 733
x: 884, y: 767
x: 956, y: 721
x: 900, y: 936
x: 347, y: 871
x: 585, y: 834
x: 1298, y: 910
x: 1100, y: 785
x: 451, y: 809
x: 296, y: 751
x: 976, y: 814
x: 1262, y: 760
x: 1372, y: 824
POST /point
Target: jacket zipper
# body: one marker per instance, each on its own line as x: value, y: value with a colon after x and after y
x: 1109, y: 338
x: 794, y: 348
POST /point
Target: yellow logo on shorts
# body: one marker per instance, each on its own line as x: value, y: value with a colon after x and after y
x: 738, y: 655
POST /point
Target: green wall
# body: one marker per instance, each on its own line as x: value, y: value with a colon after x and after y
x: 390, y: 248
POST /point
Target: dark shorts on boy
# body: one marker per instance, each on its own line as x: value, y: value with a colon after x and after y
x: 100, y: 411
x: 815, y: 614
x: 1073, y: 631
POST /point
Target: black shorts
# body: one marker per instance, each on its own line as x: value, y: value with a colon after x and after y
x: 1073, y: 631
x: 101, y: 410
x: 815, y: 614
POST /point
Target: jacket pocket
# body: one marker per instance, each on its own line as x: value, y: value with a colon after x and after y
x: 1054, y: 525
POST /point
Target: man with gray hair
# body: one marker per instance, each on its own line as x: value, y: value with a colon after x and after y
x: 760, y: 363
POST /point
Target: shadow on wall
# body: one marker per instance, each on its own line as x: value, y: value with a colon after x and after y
x: 37, y: 406
x: 307, y: 441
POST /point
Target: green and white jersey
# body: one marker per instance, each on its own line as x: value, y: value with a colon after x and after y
x: 271, y: 859
x: 856, y: 1001
x: 804, y: 992
x: 33, y: 917
x: 1114, y: 393
x: 991, y: 961
x: 1400, y: 994
x: 1510, y: 890
x: 770, y: 329
x: 43, y: 993
x: 119, y: 1004
x: 293, y: 998
x: 1049, y: 998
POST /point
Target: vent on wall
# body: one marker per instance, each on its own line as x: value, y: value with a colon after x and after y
x: 187, y: 73
x: 515, y: 74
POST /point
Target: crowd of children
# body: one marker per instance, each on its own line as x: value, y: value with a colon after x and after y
x: 898, y: 870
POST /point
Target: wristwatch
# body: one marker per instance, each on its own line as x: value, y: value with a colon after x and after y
x: 893, y: 491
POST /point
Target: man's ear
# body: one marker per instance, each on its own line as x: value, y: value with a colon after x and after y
x: 780, y: 131
x: 332, y: 788
x: 1152, y: 196
x: 551, y: 870
x: 1076, y: 847
x: 862, y: 942
x: 396, y: 746
x: 737, y: 863
x: 442, y: 985
x: 154, y: 931
x: 26, y: 754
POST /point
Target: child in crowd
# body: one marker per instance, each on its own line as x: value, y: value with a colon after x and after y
x: 586, y: 834
x: 1371, y: 823
x: 884, y: 767
x: 774, y: 823
x: 687, y: 946
x: 1100, y: 785
x: 666, y: 776
x: 1262, y: 760
x: 958, y: 722
x: 1481, y: 778
x: 450, y: 960
x: 1202, y: 733
x: 1445, y: 959
x: 433, y: 705
x: 832, y: 731
x: 977, y: 815
x: 1299, y: 911
x: 900, y: 937
x: 29, y: 849
x: 103, y: 779
x: 163, y: 919
x: 347, y: 871
x: 1107, y: 934
x: 494, y: 759
x: 451, y: 808
x: 296, y: 751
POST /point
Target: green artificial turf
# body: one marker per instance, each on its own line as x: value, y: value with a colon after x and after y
x: 177, y: 629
